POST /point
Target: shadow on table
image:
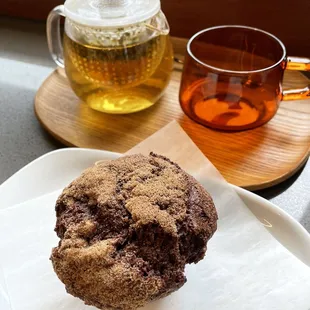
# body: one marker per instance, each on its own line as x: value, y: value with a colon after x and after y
x: 24, y: 41
x: 22, y: 137
x: 276, y: 190
x: 305, y: 219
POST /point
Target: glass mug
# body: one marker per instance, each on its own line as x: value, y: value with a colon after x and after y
x: 117, y: 54
x: 232, y: 77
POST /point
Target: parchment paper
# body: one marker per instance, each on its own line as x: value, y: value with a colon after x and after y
x: 245, y: 267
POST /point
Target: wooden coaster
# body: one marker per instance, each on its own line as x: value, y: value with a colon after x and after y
x: 253, y: 159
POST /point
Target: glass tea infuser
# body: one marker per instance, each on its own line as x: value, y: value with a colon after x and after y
x: 116, y: 53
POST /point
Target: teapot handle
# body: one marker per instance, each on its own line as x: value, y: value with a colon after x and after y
x: 54, y: 36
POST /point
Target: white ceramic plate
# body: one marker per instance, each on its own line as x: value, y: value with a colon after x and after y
x: 57, y: 169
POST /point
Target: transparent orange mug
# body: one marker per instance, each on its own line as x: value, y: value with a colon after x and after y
x: 232, y: 77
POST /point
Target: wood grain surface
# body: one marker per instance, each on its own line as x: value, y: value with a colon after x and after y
x: 252, y: 159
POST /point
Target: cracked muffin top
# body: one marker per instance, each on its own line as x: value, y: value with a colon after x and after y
x: 127, y: 228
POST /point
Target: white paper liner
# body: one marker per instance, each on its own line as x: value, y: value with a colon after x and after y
x: 245, y: 267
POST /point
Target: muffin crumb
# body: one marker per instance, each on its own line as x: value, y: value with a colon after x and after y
x: 127, y: 228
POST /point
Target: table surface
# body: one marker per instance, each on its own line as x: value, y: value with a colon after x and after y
x: 25, y: 64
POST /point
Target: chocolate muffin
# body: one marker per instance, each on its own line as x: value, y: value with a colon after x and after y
x: 128, y: 227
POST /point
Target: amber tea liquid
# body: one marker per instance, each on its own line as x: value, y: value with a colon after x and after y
x: 121, y: 79
x: 229, y: 101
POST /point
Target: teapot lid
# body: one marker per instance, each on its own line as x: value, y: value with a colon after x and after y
x: 111, y: 13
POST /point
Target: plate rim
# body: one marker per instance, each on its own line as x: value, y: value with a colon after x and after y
x: 273, y: 209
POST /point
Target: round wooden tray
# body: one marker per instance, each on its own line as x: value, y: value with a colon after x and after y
x: 252, y: 159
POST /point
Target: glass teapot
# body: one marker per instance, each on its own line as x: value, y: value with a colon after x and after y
x: 116, y: 53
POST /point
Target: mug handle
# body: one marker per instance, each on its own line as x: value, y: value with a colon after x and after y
x: 54, y: 40
x: 300, y: 64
